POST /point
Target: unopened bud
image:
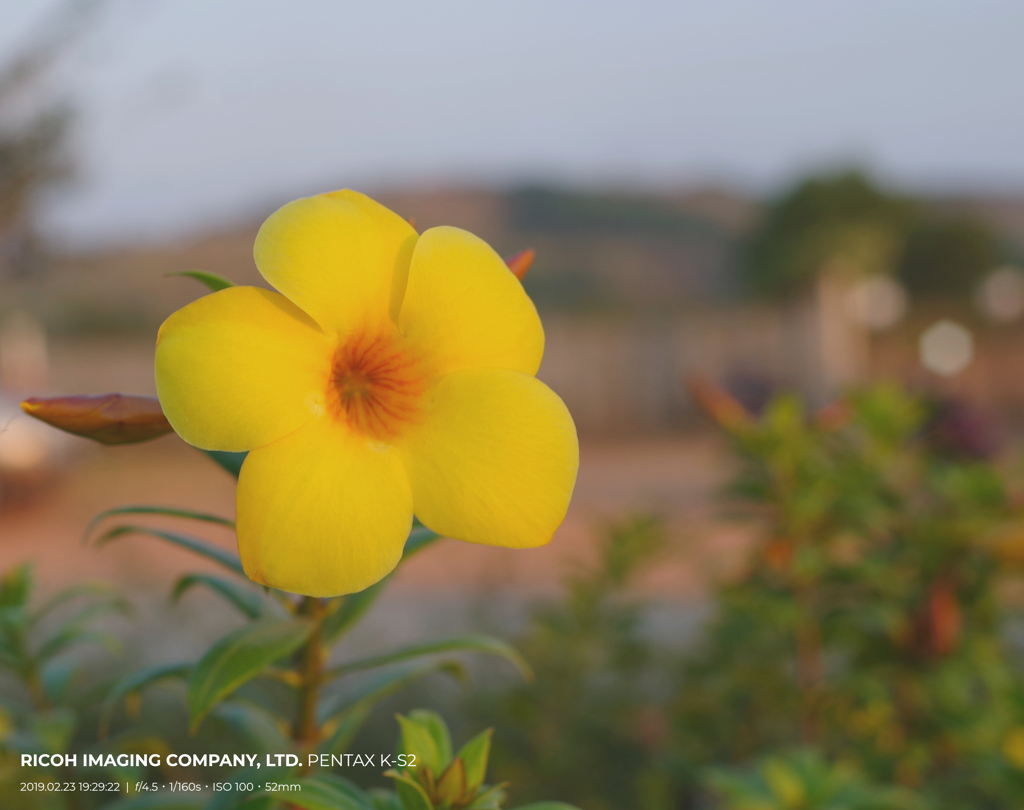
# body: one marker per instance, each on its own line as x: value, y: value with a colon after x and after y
x: 834, y: 416
x: 108, y: 418
x: 521, y: 263
x: 717, y: 403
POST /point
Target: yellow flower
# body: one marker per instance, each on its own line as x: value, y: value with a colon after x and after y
x: 393, y: 374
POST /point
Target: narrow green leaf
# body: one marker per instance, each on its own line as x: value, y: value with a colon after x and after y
x: 94, y: 589
x: 57, y: 677
x: 78, y: 622
x: 193, y: 544
x: 351, y: 610
x: 348, y: 727
x: 260, y: 728
x: 239, y: 657
x: 356, y: 706
x: 355, y: 606
x: 412, y: 796
x: 438, y: 729
x: 145, y: 509
x: 379, y: 688
x: 211, y: 280
x: 232, y: 462
x: 417, y: 740
x: 467, y: 643
x: 475, y: 754
x: 326, y: 792
x: 76, y: 635
x: 419, y: 538
x: 136, y: 682
x: 248, y: 600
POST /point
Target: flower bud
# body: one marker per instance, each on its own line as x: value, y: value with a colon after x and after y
x: 717, y: 403
x: 107, y: 418
x: 521, y: 262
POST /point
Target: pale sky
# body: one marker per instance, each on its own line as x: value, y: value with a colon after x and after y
x: 199, y: 111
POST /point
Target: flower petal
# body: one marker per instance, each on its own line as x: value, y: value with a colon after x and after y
x: 465, y: 307
x: 240, y: 368
x: 322, y: 511
x: 494, y: 460
x: 336, y: 256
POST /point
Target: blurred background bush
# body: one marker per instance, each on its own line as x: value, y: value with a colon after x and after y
x: 814, y: 213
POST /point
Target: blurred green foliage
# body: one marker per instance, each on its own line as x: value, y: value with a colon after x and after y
x: 270, y: 687
x: 844, y: 223
x: 803, y: 780
x: 48, y: 693
x: 867, y: 624
x: 858, y: 660
x: 585, y: 730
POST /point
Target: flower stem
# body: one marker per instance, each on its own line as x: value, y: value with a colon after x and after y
x: 306, y: 732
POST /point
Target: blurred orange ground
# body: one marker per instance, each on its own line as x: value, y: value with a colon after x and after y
x: 676, y: 477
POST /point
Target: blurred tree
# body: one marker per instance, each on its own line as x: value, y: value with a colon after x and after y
x: 948, y: 256
x: 33, y: 129
x: 832, y: 220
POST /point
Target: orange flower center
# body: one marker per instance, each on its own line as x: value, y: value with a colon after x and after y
x: 376, y: 384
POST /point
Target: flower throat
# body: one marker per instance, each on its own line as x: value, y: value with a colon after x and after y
x: 376, y: 384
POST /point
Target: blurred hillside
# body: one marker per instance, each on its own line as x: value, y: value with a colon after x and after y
x: 638, y: 291
x: 627, y: 254
x: 631, y: 255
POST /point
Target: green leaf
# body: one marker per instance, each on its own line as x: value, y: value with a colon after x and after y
x: 384, y: 799
x: 193, y: 544
x: 117, y: 605
x: 239, y: 657
x: 438, y: 729
x: 258, y: 726
x: 136, y: 682
x: 166, y: 511
x: 419, y: 538
x: 412, y: 796
x: 387, y: 685
x: 76, y: 635
x: 451, y: 785
x: 326, y: 792
x: 467, y: 643
x: 54, y: 729
x: 16, y: 586
x: 248, y: 600
x: 490, y: 799
x: 475, y: 754
x: 351, y: 610
x: 211, y: 280
x: 355, y: 606
x: 232, y: 462
x: 57, y: 677
x: 349, y: 725
x: 548, y: 806
x: 94, y: 589
x: 417, y: 740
